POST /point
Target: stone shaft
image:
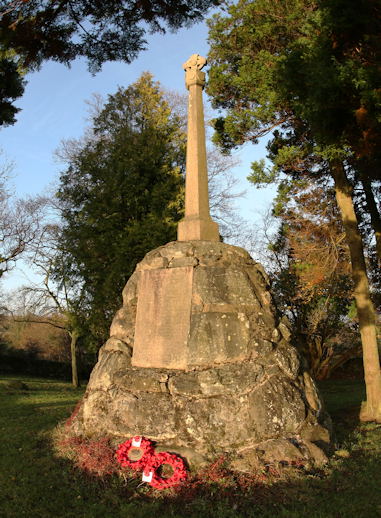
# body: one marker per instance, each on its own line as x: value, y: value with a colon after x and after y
x: 197, y: 223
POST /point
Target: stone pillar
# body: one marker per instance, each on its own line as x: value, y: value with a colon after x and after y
x: 197, y: 223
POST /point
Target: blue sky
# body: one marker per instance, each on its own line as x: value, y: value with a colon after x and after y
x: 54, y: 108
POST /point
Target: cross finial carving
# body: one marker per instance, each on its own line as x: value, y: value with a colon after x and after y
x: 193, y: 74
x: 195, y: 62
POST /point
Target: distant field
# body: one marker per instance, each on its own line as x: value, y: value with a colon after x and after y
x: 36, y: 484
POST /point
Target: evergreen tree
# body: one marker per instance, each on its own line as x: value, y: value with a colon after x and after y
x: 11, y: 87
x: 310, y: 69
x: 106, y: 30
x: 121, y: 196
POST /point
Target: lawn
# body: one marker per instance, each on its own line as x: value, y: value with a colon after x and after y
x: 36, y: 483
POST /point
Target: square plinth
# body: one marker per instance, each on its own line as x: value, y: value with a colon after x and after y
x: 163, y: 318
x: 199, y: 229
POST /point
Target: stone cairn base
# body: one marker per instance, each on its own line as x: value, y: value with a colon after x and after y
x: 199, y: 361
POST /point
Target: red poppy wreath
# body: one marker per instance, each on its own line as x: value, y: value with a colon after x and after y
x: 151, y: 470
x: 135, y: 453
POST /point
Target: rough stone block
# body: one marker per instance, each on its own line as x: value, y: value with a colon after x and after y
x: 129, y: 292
x: 141, y: 380
x: 178, y: 262
x: 240, y: 378
x: 114, y: 344
x: 315, y: 433
x: 279, y: 450
x: 154, y: 263
x: 216, y: 338
x: 276, y: 408
x: 157, y: 420
x: 316, y: 454
x: 288, y: 360
x: 122, y: 326
x: 216, y: 285
x: 95, y: 411
x: 311, y: 392
x: 176, y: 249
x: 185, y: 383
x: 207, y: 418
x: 105, y: 371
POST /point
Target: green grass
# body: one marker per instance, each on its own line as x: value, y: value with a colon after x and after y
x: 35, y: 483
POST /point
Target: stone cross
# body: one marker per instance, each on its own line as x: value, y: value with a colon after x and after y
x: 197, y: 223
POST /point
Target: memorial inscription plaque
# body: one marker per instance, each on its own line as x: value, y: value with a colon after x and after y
x: 163, y: 318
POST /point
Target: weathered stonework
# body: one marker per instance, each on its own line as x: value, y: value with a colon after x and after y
x: 238, y: 385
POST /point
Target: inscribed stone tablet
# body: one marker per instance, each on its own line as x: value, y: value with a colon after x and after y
x: 163, y: 318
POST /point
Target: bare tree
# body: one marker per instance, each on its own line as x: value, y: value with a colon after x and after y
x: 49, y: 301
x: 20, y: 222
x: 56, y: 297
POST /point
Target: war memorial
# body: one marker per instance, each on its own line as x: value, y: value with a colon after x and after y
x: 199, y: 359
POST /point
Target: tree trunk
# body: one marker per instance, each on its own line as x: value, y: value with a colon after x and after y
x: 73, y: 352
x: 371, y: 409
x: 374, y: 215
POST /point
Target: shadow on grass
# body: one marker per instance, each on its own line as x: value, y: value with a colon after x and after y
x: 343, y: 399
x: 346, y: 488
x: 43, y: 408
x: 35, y: 483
